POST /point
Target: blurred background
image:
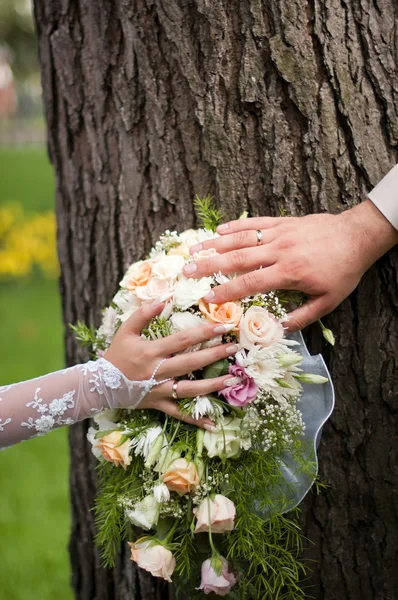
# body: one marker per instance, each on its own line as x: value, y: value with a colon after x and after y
x: 34, y: 495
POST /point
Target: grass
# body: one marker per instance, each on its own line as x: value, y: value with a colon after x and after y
x: 34, y: 496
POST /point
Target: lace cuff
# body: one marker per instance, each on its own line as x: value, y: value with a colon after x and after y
x: 37, y: 406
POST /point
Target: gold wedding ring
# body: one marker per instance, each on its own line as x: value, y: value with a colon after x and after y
x: 259, y: 237
x: 174, y: 393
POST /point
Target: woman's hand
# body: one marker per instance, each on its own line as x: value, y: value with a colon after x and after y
x: 137, y: 359
x: 323, y: 256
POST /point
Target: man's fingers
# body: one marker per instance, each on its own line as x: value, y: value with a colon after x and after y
x: 253, y: 223
x: 141, y: 317
x: 170, y: 408
x: 236, y: 241
x: 308, y: 313
x: 237, y: 261
x: 263, y: 280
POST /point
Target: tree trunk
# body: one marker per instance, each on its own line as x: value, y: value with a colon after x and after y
x: 280, y: 104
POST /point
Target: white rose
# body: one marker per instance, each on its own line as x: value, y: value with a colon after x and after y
x: 206, y: 234
x: 94, y: 441
x: 106, y: 420
x: 225, y: 439
x: 107, y: 328
x: 258, y: 326
x: 190, y: 236
x: 154, y: 558
x: 189, y: 291
x: 127, y: 302
x: 145, y: 514
x: 168, y: 267
x: 156, y: 288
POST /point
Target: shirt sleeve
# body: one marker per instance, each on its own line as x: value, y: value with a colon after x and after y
x: 385, y: 196
x: 36, y: 407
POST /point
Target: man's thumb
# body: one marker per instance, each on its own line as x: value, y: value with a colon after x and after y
x: 308, y: 313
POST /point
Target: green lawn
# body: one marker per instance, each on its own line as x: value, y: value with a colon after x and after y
x: 34, y: 502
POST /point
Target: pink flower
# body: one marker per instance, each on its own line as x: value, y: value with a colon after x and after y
x: 243, y: 390
x: 218, y: 584
x: 220, y: 512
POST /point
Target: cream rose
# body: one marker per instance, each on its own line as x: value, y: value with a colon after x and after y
x: 156, y: 288
x: 181, y: 476
x: 219, y: 512
x: 112, y: 452
x: 258, y: 326
x: 189, y: 291
x: 229, y: 313
x: 154, y: 558
x: 225, y: 439
x: 181, y: 250
x: 168, y: 267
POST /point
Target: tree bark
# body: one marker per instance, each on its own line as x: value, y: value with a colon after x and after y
x: 284, y: 104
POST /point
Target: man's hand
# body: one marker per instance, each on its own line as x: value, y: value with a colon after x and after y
x: 322, y: 255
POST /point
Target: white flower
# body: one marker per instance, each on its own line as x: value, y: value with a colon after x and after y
x: 205, y: 406
x: 127, y: 302
x: 189, y: 291
x: 225, y: 440
x: 182, y: 321
x: 93, y: 441
x: 262, y: 365
x: 145, y: 514
x: 168, y: 267
x: 142, y: 443
x: 106, y: 420
x: 107, y: 328
x: 161, y: 493
x: 157, y: 289
x: 206, y: 234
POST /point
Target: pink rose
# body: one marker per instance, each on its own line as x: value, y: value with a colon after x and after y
x: 243, y: 390
x: 220, y: 512
x: 154, y: 558
x: 218, y: 584
x: 258, y: 326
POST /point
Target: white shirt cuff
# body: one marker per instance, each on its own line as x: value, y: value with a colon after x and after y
x: 385, y: 196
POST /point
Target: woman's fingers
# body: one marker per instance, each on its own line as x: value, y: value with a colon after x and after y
x: 178, y: 342
x: 193, y: 361
x: 170, y: 408
x: 187, y: 388
x: 141, y: 317
x: 237, y: 261
x: 236, y: 241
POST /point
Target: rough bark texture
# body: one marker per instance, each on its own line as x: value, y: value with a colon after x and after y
x: 266, y: 105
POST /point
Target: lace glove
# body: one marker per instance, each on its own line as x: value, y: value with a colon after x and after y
x: 37, y: 406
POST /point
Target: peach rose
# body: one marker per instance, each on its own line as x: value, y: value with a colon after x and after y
x: 154, y: 558
x: 229, y: 313
x: 181, y: 250
x: 258, y: 326
x: 119, y: 455
x: 219, y: 512
x: 205, y: 254
x: 181, y: 476
x: 141, y: 277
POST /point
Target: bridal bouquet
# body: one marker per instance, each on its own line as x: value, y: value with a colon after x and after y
x: 212, y: 503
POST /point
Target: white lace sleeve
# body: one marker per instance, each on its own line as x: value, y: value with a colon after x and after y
x: 37, y: 406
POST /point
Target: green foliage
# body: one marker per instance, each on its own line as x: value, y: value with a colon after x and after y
x: 159, y: 327
x: 87, y: 336
x: 208, y: 215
